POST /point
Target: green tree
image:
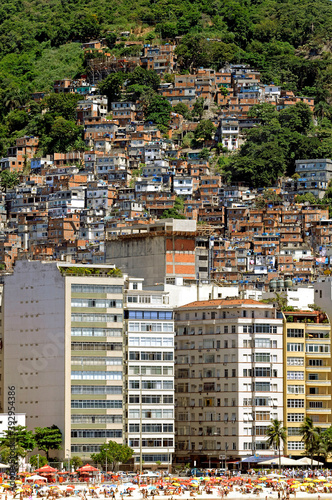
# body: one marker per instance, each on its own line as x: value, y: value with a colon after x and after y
x: 76, y: 462
x: 64, y: 136
x: 263, y: 112
x: 183, y: 110
x: 277, y: 436
x: 310, y: 437
x: 48, y: 438
x: 111, y: 86
x: 141, y: 76
x: 37, y: 461
x: 113, y: 453
x: 297, y: 118
x: 62, y: 104
x: 198, y: 108
x: 8, y: 180
x: 204, y: 130
x: 15, y: 444
x: 176, y: 212
x: 110, y: 39
x: 158, y: 111
x: 307, y: 197
x: 204, y: 154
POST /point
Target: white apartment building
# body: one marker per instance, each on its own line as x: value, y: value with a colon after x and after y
x: 63, y: 351
x: 66, y: 202
x: 229, y: 379
x: 150, y: 375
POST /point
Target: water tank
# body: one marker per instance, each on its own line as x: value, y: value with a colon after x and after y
x: 288, y: 283
x: 280, y: 283
x: 273, y: 285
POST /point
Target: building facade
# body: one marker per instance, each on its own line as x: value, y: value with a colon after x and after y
x: 63, y: 351
x: 229, y: 379
x: 149, y: 336
x: 307, y: 375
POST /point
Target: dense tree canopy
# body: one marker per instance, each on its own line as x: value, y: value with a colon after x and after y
x: 272, y: 147
x: 288, y: 42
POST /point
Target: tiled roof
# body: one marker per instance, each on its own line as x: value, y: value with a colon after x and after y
x: 222, y: 302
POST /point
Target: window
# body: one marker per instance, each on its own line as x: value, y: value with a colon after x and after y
x: 295, y: 403
x: 295, y: 417
x: 262, y: 401
x: 96, y: 389
x: 294, y: 347
x: 316, y: 362
x: 103, y: 303
x: 322, y: 348
x: 96, y: 289
x: 96, y: 332
x: 263, y: 343
x: 295, y: 389
x: 262, y: 357
x: 262, y: 372
x: 96, y: 433
x: 295, y: 333
x: 96, y: 375
x: 315, y: 404
x: 295, y: 375
x: 295, y: 361
x: 95, y: 403
x: 262, y: 386
x: 262, y: 415
x: 295, y: 445
x: 265, y: 328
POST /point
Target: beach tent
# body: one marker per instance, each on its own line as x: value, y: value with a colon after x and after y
x: 284, y: 461
x: 307, y: 461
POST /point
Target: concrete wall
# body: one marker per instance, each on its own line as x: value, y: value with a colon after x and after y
x: 33, y: 342
x: 141, y: 257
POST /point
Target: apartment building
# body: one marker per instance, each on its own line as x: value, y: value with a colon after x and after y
x: 63, y: 350
x: 315, y: 175
x: 149, y: 329
x: 165, y: 248
x: 229, y: 379
x: 307, y: 374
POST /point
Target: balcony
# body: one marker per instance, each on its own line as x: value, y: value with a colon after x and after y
x: 318, y: 382
x: 318, y: 396
x: 319, y: 368
x: 318, y: 410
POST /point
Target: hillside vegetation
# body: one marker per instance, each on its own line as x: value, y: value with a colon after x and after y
x: 288, y: 41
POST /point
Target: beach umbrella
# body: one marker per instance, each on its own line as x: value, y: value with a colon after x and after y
x: 87, y: 468
x: 152, y: 487
x: 46, y: 469
x: 127, y: 485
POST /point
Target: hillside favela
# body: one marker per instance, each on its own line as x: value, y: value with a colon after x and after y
x: 166, y: 212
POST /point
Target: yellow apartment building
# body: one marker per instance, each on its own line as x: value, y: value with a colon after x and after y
x: 307, y: 374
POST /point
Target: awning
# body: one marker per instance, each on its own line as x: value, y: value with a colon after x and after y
x: 254, y: 459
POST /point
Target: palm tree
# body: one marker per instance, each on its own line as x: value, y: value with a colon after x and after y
x: 310, y: 437
x: 276, y: 434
